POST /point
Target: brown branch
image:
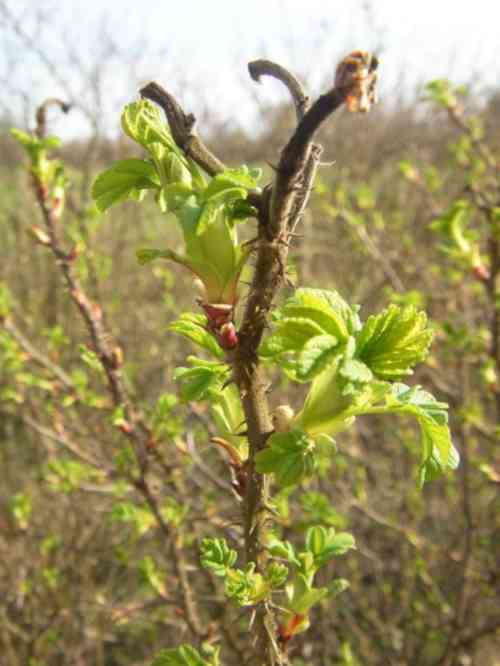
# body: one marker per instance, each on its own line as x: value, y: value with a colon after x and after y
x: 173, y: 537
x: 259, y: 68
x: 279, y: 210
x: 111, y: 359
x: 289, y: 192
x: 61, y: 438
x: 182, y: 128
x: 37, y: 356
x: 41, y: 114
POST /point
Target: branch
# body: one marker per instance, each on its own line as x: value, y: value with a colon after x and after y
x: 37, y: 356
x: 111, y: 359
x: 289, y: 196
x: 41, y: 114
x: 61, y: 438
x: 182, y: 127
x: 259, y: 68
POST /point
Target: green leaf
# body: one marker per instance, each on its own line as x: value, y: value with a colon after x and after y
x: 197, y: 381
x: 355, y: 371
x: 146, y: 255
x: 216, y: 556
x: 326, y: 544
x: 22, y: 508
x: 317, y: 353
x: 316, y: 538
x: 142, y: 122
x: 291, y: 334
x: 442, y: 92
x: 289, y: 456
x: 304, y: 596
x: 336, y: 544
x: 283, y: 549
x: 243, y: 178
x: 246, y: 586
x: 151, y: 575
x: 193, y: 327
x: 185, y: 655
x: 228, y: 415
x: 337, y: 586
x: 276, y: 574
x: 309, y: 314
x: 318, y: 508
x: 140, y: 517
x: 394, y: 341
x: 325, y: 308
x: 213, y: 206
x: 438, y: 452
x: 365, y: 197
x: 121, y: 180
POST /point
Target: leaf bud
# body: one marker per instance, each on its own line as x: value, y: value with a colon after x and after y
x: 228, y: 336
x: 41, y: 236
x: 282, y: 418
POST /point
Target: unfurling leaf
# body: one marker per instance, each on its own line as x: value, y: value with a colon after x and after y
x: 394, y: 341
x: 288, y: 455
x: 123, y: 179
x: 193, y: 327
x: 216, y: 556
x: 185, y: 655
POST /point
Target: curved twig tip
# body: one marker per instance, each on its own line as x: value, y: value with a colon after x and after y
x: 41, y: 113
x: 259, y: 68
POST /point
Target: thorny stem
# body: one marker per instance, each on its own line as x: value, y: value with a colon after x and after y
x: 289, y: 195
x: 279, y: 209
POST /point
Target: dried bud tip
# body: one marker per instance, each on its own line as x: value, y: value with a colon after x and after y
x: 356, y: 77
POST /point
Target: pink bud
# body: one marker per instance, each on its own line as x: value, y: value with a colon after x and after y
x: 227, y: 336
x: 218, y: 314
x: 481, y: 272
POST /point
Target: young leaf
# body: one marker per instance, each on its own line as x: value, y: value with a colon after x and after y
x: 184, y: 655
x: 326, y: 544
x: 290, y: 335
x: 317, y: 353
x: 151, y: 575
x: 246, y: 586
x: 143, y: 123
x: 303, y: 596
x: 337, y: 586
x: 438, y: 452
x: 196, y: 382
x: 289, y: 456
x: 276, y: 574
x: 193, y: 327
x: 121, y: 180
x: 394, y: 341
x: 243, y: 178
x: 217, y: 556
x: 316, y: 538
x: 310, y: 331
x: 283, y: 549
x: 212, y: 207
x: 325, y: 308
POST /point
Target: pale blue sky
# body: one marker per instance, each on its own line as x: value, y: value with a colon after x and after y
x: 208, y: 44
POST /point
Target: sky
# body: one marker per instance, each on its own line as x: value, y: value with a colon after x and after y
x: 200, y: 50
